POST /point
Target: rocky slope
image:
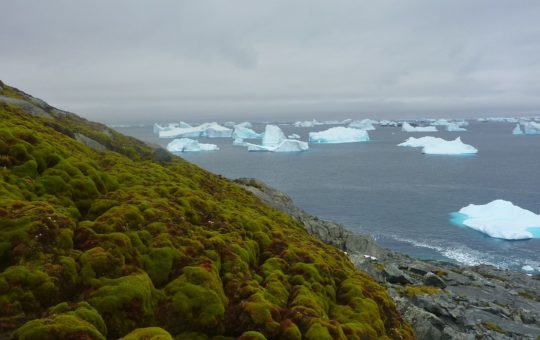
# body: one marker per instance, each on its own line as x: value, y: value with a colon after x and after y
x: 103, y: 236
x: 441, y: 300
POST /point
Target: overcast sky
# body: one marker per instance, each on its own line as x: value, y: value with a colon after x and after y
x: 120, y: 61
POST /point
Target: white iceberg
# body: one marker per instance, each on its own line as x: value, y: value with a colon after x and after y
x: 229, y: 124
x: 189, y: 145
x: 244, y: 125
x: 438, y: 146
x: 170, y: 126
x: 409, y: 128
x: 239, y: 142
x: 517, y: 130
x: 531, y: 128
x: 500, y: 219
x: 245, y: 133
x: 386, y: 122
x: 294, y: 136
x: 364, y: 124
x: 307, y: 123
x: 210, y: 130
x: 336, y: 122
x: 454, y: 127
x: 274, y: 140
x: 339, y: 134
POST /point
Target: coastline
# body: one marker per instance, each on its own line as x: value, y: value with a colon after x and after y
x: 441, y: 300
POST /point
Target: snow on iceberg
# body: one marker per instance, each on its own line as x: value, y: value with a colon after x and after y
x: 364, y: 124
x: 517, y: 130
x: 210, y: 130
x: 531, y: 128
x: 409, y: 128
x: 500, y: 219
x: 244, y: 125
x: 307, y: 123
x: 438, y: 146
x: 274, y: 140
x: 245, y: 133
x: 339, y: 134
x: 189, y: 145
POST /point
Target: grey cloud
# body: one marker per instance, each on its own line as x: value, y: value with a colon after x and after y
x: 140, y: 60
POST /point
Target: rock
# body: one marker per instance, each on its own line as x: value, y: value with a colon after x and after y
x: 431, y: 279
x: 89, y: 142
x: 394, y: 275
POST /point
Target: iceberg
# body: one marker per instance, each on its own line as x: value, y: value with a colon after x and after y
x: 244, y: 125
x: 517, y: 130
x: 274, y: 140
x: 189, y: 145
x: 245, y: 133
x: 210, y: 130
x: 439, y: 146
x: 409, y: 128
x: 339, y: 134
x: 500, y: 219
x: 158, y: 128
x: 454, y: 127
x: 386, y: 122
x: 294, y: 136
x: 239, y: 142
x: 364, y: 124
x: 531, y: 128
x: 307, y: 123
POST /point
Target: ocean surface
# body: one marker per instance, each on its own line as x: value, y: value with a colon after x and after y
x: 398, y: 195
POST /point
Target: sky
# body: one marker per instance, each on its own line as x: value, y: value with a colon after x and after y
x: 145, y: 61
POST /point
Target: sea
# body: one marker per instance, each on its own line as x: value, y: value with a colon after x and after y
x: 399, y: 196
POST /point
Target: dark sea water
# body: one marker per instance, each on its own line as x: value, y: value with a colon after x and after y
x: 398, y: 195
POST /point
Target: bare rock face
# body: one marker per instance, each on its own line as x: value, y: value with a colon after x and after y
x: 440, y: 300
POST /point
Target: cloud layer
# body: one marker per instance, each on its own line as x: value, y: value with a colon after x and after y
x: 144, y: 61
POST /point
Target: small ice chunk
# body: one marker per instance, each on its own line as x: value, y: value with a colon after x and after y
x: 339, y: 134
x: 294, y: 136
x: 409, y: 128
x: 527, y: 268
x: 244, y: 125
x: 517, y: 130
x: 501, y: 219
x: 386, y: 122
x: 239, y: 142
x: 439, y: 146
x: 454, y: 127
x: 189, y: 145
x: 307, y: 123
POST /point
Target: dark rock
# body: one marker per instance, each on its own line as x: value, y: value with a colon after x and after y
x: 432, y: 279
x: 161, y: 155
x: 394, y: 275
x: 89, y: 142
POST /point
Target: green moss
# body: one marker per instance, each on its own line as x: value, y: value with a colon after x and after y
x: 493, y: 327
x: 159, y: 242
x: 149, y: 333
x: 421, y: 290
x: 252, y: 335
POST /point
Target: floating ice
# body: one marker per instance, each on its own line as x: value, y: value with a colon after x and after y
x: 439, y: 146
x: 171, y: 126
x: 517, y: 130
x: 245, y: 133
x: 210, y: 130
x: 274, y: 140
x: 364, y: 124
x: 307, y: 123
x: 501, y: 219
x: 409, y: 128
x: 454, y: 127
x: 294, y: 136
x: 531, y: 128
x: 244, y: 125
x: 388, y: 123
x: 189, y: 145
x: 339, y: 134
x: 527, y: 268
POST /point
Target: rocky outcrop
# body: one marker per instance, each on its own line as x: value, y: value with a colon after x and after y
x: 440, y: 300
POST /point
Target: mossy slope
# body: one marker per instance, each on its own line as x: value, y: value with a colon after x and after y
x: 131, y: 242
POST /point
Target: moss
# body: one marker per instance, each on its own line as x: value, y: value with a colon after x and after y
x: 252, y: 335
x: 493, y: 327
x: 411, y: 291
x: 159, y: 243
x: 149, y: 333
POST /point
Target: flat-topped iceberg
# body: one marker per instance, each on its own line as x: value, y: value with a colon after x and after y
x: 210, y: 130
x: 245, y: 133
x: 364, y: 124
x: 531, y: 128
x: 454, y: 127
x: 244, y: 125
x: 517, y: 130
x: 189, y: 145
x: 438, y: 146
x: 307, y: 123
x: 409, y: 128
x: 274, y: 140
x: 500, y: 219
x: 386, y: 122
x: 170, y: 126
x: 339, y: 134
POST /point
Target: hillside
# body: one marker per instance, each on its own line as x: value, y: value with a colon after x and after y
x: 102, y: 236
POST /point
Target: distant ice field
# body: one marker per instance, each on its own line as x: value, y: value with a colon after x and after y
x: 398, y: 195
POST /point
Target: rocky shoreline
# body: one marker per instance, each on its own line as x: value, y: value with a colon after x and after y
x: 441, y: 300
